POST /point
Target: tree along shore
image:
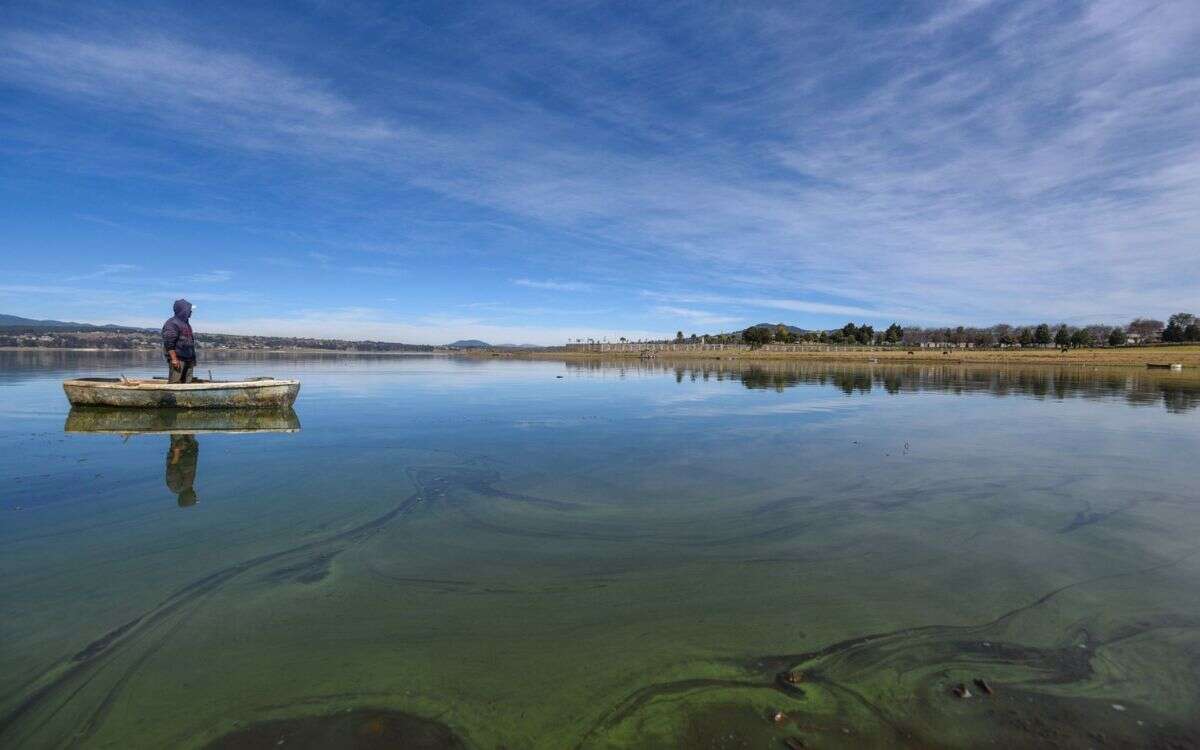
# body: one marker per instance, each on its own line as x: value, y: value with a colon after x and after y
x: 1182, y: 328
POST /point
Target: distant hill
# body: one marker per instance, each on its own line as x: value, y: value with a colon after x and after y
x: 773, y: 326
x: 795, y: 330
x: 469, y: 344
x: 13, y: 321
x: 16, y: 321
x: 25, y: 333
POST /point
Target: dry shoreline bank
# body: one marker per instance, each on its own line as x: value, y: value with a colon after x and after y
x: 1187, y: 355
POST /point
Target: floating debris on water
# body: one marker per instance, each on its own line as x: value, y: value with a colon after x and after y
x: 790, y: 679
x: 961, y: 690
x: 778, y: 716
x: 1118, y: 707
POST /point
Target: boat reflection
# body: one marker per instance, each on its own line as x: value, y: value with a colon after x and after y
x: 179, y: 421
x: 181, y: 426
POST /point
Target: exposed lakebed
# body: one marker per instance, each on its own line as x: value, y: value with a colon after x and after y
x: 465, y: 553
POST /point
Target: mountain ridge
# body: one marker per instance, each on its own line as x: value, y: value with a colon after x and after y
x: 16, y: 321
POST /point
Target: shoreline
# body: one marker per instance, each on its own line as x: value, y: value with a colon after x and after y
x: 1188, y: 355
x: 431, y: 352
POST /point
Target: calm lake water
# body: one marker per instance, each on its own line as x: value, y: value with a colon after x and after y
x: 503, y: 554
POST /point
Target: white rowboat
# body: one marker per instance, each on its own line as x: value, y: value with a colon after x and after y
x: 255, y: 393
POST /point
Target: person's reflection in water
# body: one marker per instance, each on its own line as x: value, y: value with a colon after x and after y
x: 182, y: 454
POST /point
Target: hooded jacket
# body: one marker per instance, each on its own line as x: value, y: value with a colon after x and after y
x: 177, y: 333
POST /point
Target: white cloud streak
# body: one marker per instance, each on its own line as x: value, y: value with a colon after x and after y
x: 990, y: 161
x: 381, y: 325
x: 695, y: 317
x: 553, y: 286
x: 211, y: 277
x: 107, y: 270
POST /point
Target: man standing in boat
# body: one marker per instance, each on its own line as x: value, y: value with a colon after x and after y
x: 179, y: 343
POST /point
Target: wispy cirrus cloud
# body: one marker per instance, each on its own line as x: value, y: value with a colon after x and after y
x: 107, y: 270
x: 230, y: 96
x: 694, y: 316
x: 134, y: 303
x: 967, y: 162
x: 100, y: 220
x: 553, y: 286
x: 382, y: 325
x: 508, y: 310
x: 758, y: 305
x: 382, y: 271
x: 211, y: 277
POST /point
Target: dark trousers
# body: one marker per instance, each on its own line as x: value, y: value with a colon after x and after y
x: 183, y: 374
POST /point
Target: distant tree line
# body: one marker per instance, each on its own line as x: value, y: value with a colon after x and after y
x: 1180, y: 328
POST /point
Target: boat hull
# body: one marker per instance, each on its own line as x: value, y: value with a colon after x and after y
x: 263, y: 393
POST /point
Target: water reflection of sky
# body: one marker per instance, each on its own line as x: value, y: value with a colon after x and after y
x: 489, y: 528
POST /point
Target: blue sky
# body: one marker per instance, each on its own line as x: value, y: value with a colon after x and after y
x: 536, y: 172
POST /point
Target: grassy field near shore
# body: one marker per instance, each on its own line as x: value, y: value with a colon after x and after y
x: 1187, y: 355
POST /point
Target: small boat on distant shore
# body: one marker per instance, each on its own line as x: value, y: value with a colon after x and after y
x: 1156, y: 366
x: 253, y: 393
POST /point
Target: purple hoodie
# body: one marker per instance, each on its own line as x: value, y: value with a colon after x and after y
x: 177, y: 333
